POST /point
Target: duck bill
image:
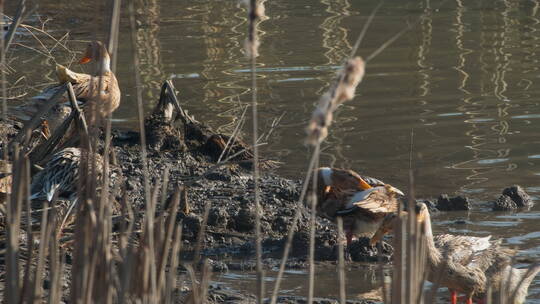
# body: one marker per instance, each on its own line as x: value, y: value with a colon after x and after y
x: 85, y: 60
x: 363, y: 184
x: 327, y: 189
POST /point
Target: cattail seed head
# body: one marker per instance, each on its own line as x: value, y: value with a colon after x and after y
x: 343, y: 90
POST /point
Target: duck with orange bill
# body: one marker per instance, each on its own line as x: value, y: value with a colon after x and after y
x: 98, y: 93
x: 468, y: 264
x: 100, y: 90
x: 362, y: 202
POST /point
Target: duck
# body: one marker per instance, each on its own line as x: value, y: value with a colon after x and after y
x: 98, y: 91
x: 60, y: 175
x: 362, y: 202
x: 468, y: 264
x: 60, y: 178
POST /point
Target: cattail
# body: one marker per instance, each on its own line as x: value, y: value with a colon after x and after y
x: 256, y: 13
x: 343, y: 90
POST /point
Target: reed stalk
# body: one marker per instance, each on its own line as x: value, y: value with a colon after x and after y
x: 252, y: 45
x: 3, y: 64
x: 341, y: 262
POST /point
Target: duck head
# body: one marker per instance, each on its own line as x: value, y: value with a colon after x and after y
x: 340, y: 179
x: 97, y: 53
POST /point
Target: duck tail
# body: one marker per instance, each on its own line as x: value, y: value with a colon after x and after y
x: 50, y: 191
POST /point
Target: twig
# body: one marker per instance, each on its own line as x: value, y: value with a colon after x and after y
x: 232, y: 138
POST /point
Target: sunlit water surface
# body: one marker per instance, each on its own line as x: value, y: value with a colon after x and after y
x: 462, y: 85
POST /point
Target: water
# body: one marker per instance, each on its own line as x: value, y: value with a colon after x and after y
x: 464, y: 81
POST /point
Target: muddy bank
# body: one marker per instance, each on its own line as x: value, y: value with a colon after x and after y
x: 228, y: 193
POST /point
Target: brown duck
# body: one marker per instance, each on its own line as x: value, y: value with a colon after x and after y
x: 97, y: 93
x: 468, y: 264
x: 362, y: 202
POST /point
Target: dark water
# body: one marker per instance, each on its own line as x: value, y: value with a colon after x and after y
x: 464, y: 80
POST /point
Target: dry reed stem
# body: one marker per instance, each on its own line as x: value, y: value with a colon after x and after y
x: 47, y: 226
x: 312, y: 223
x: 29, y: 246
x: 3, y: 64
x: 201, y: 235
x: 112, y: 43
x: 341, y: 262
x: 13, y: 220
x: 252, y: 46
x: 168, y: 238
x: 140, y: 109
x: 171, y: 280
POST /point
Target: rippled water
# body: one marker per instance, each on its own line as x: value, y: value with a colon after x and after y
x: 464, y: 80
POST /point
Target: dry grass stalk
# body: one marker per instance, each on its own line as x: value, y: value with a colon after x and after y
x: 140, y: 109
x: 341, y: 262
x: 201, y: 235
x: 3, y: 64
x: 172, y: 276
x: 13, y: 228
x: 255, y: 11
x: 312, y: 223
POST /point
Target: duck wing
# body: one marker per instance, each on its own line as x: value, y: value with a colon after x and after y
x: 59, y: 175
x: 461, y: 249
x: 480, y: 253
x: 102, y: 91
x: 376, y: 201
